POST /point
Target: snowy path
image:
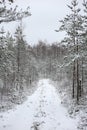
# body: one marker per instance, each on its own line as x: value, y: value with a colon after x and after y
x: 44, y: 107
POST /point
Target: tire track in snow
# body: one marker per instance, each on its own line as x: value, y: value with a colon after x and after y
x: 54, y: 114
x: 42, y: 111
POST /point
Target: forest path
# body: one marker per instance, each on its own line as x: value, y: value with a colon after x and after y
x: 42, y: 111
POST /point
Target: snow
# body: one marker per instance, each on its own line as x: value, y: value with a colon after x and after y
x: 42, y: 111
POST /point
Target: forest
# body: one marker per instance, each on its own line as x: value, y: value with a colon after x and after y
x: 22, y: 64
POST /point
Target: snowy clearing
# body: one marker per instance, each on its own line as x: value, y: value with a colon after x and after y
x: 42, y: 111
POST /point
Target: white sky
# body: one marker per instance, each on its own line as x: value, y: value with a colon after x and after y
x: 44, y: 20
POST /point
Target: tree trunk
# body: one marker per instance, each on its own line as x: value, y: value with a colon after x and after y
x: 73, y: 93
x: 77, y: 63
x: 77, y: 81
x: 82, y: 76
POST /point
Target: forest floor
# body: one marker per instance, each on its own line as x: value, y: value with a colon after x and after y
x: 42, y: 111
x: 12, y: 99
x: 64, y: 90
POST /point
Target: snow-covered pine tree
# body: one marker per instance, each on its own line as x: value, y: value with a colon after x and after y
x: 72, y: 25
x: 84, y: 46
x: 7, y: 57
x: 20, y: 55
x: 11, y: 14
x: 11, y: 58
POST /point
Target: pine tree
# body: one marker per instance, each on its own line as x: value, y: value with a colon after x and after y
x: 7, y: 53
x: 84, y: 46
x: 11, y: 14
x: 72, y: 25
x: 20, y: 54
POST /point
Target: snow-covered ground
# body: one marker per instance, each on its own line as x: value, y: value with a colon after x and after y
x: 42, y: 111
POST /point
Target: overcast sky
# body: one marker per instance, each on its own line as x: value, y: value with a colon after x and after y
x: 44, y: 20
